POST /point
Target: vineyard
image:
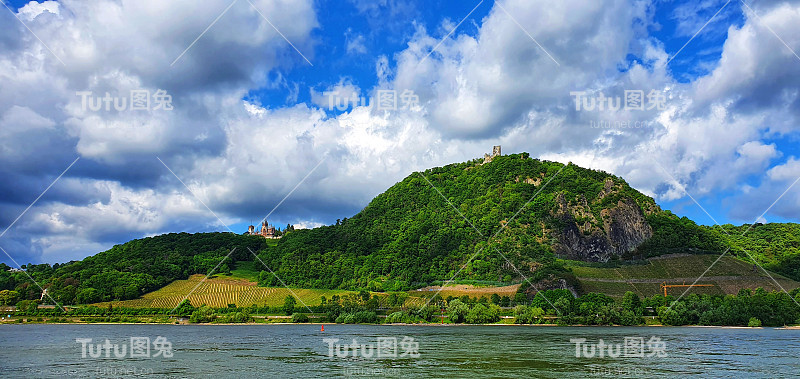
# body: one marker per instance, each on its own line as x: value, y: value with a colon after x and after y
x: 726, y: 274
x: 219, y: 292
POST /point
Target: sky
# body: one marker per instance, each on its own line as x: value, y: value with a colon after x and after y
x: 220, y: 113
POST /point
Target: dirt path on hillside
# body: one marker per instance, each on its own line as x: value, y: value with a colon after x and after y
x: 471, y: 289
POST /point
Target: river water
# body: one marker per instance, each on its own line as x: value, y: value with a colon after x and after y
x: 223, y: 351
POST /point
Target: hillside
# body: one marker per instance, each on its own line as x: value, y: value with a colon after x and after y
x: 409, y: 236
x: 725, y: 277
x: 775, y: 246
x: 219, y: 291
x: 132, y: 269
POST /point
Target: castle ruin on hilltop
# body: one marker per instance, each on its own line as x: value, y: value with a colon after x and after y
x: 495, y: 152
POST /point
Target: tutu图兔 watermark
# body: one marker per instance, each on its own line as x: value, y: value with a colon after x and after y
x: 384, y: 347
x: 387, y: 100
x: 634, y: 100
x: 632, y: 347
x: 139, y: 348
x: 139, y: 100
x: 600, y: 124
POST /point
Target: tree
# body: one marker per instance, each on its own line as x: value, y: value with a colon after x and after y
x: 299, y: 318
x: 88, y: 296
x: 28, y: 305
x: 481, y: 314
x: 185, y: 308
x: 288, y: 305
x: 527, y: 315
x: 8, y: 297
x: 631, y: 302
x: 457, y: 311
x: 428, y: 312
x: 202, y: 315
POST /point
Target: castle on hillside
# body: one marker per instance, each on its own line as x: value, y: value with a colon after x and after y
x: 267, y: 231
x: 495, y: 152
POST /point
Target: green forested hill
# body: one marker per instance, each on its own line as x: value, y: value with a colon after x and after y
x: 410, y: 236
x: 131, y: 269
x: 775, y: 246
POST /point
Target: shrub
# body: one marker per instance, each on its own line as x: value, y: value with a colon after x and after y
x: 481, y: 314
x: 754, y: 323
x: 399, y: 317
x: 345, y: 318
x: 235, y: 318
x: 362, y: 317
x: 365, y: 317
x: 299, y: 317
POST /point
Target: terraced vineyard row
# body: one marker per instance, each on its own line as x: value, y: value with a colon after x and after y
x: 219, y: 292
x: 727, y: 275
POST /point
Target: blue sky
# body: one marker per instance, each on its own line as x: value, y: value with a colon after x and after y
x: 250, y: 123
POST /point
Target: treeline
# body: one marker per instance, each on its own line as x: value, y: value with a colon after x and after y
x: 774, y: 246
x: 129, y: 270
x: 747, y: 308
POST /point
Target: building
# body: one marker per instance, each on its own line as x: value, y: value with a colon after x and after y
x: 267, y: 231
x: 495, y: 152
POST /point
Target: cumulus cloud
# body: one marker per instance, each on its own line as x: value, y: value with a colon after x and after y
x: 510, y: 84
x: 114, y: 47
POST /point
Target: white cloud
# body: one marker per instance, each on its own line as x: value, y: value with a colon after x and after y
x: 496, y: 87
x: 33, y: 9
x: 354, y: 42
x: 341, y: 96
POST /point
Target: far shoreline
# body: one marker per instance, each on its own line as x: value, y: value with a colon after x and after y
x: 788, y: 327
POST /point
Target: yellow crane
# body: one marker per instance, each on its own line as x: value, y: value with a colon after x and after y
x: 664, y: 285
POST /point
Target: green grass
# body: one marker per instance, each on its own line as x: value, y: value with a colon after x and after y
x: 246, y: 270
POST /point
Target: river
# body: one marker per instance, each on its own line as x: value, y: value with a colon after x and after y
x: 222, y: 351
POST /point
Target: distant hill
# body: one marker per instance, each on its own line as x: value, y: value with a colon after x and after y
x: 410, y: 236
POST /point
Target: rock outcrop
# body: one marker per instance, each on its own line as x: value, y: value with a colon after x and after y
x: 621, y: 228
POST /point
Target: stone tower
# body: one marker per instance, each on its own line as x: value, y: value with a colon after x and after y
x: 496, y: 150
